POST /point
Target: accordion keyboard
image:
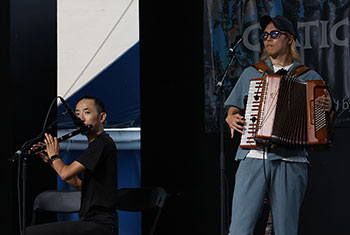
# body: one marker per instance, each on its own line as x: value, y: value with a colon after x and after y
x: 251, y: 113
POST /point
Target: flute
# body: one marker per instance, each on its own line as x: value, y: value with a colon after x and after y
x: 62, y: 138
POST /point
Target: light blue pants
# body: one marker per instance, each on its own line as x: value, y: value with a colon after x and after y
x: 287, y: 181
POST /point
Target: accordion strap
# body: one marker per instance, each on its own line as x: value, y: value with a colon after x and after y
x: 299, y: 70
x: 263, y: 68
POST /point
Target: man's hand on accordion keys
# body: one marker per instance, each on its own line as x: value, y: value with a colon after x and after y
x: 235, y: 121
x: 325, y: 101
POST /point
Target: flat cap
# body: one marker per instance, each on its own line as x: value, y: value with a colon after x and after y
x: 280, y: 22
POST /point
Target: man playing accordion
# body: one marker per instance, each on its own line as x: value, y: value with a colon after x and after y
x: 277, y: 172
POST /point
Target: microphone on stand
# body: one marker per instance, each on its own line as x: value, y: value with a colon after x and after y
x: 77, y: 121
x: 15, y: 156
x: 231, y: 50
x: 220, y: 93
x: 235, y: 44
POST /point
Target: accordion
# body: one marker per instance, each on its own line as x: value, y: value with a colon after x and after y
x: 281, y: 110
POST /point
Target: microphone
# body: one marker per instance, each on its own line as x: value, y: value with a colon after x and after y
x: 15, y: 156
x: 77, y: 121
x: 235, y: 43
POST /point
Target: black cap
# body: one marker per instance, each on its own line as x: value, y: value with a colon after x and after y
x: 280, y: 22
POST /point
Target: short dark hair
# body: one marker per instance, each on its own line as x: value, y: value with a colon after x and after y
x: 100, y: 106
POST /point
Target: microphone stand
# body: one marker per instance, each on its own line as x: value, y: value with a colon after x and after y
x: 22, y: 157
x: 223, y: 183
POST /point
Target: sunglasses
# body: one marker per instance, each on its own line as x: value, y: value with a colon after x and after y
x: 274, y: 34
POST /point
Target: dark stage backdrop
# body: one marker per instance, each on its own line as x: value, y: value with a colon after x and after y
x: 28, y: 75
x: 323, y: 43
x: 172, y: 148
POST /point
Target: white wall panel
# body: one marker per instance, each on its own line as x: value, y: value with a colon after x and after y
x: 91, y: 35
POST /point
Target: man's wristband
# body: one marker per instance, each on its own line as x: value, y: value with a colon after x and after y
x: 53, y: 158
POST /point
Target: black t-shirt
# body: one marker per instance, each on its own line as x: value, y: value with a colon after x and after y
x: 100, y: 181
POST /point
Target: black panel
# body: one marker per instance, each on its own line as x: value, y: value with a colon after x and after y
x: 29, y: 38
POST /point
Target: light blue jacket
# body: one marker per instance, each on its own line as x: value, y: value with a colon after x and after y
x: 236, y: 98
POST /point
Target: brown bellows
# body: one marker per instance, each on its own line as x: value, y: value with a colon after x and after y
x: 287, y: 114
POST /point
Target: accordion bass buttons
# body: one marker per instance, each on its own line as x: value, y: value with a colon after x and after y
x: 317, y: 123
